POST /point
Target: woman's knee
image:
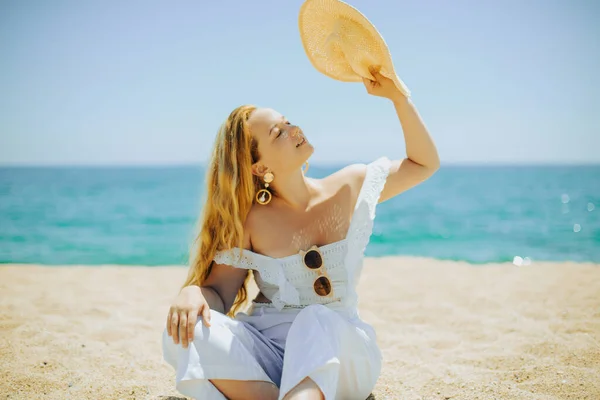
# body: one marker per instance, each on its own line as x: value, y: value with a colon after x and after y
x: 217, y: 320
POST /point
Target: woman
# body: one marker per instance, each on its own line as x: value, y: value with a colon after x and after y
x: 304, y: 240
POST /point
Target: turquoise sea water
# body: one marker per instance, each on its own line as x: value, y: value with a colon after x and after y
x: 147, y: 215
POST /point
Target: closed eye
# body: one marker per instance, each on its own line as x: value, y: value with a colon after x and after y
x: 280, y: 131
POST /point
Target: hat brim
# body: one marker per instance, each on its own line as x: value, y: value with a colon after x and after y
x: 342, y: 43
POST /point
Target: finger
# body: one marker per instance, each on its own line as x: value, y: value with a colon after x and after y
x: 174, y: 327
x: 191, y: 324
x: 183, y: 329
x: 169, y: 323
x: 374, y: 70
x: 206, y: 315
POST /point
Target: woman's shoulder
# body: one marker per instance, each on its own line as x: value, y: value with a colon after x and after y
x: 351, y: 176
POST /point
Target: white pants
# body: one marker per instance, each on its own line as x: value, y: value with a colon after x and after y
x: 338, y: 352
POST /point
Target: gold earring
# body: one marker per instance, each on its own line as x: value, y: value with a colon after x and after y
x: 304, y: 170
x: 263, y: 196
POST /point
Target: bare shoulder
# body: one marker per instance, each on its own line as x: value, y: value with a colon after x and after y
x: 352, y: 175
x: 402, y: 175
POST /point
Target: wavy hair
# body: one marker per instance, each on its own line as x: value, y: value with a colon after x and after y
x: 230, y: 191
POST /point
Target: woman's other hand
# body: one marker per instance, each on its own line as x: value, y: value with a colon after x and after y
x: 184, y: 312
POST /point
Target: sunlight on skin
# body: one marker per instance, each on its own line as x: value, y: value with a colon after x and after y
x: 330, y: 225
x: 246, y: 390
x: 305, y: 390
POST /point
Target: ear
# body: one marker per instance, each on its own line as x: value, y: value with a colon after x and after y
x: 259, y: 169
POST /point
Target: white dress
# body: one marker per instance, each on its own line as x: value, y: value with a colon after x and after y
x: 299, y: 334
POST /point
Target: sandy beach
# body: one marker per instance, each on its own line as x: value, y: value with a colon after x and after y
x: 447, y: 330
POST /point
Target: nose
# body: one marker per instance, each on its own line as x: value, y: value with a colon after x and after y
x: 295, y: 131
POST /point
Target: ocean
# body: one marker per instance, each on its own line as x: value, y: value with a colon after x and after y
x: 148, y: 215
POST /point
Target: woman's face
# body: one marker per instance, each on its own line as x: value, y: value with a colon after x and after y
x: 282, y: 145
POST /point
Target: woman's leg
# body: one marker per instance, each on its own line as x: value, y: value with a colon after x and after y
x: 336, y: 354
x: 246, y: 390
x: 305, y: 390
x: 230, y: 359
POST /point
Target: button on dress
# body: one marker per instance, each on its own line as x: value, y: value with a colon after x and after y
x: 299, y: 334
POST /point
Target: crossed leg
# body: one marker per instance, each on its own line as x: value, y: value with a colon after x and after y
x: 246, y: 390
x: 307, y: 389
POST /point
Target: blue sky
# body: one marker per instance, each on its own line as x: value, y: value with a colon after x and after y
x: 147, y: 82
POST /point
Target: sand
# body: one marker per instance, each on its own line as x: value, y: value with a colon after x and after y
x: 447, y: 330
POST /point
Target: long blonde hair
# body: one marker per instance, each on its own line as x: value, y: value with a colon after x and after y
x: 230, y: 192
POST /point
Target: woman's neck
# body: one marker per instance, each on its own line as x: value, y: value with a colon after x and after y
x: 295, y: 190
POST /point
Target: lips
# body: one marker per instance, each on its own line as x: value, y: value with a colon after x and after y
x: 301, y: 143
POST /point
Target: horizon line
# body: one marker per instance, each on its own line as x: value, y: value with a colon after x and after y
x: 315, y: 164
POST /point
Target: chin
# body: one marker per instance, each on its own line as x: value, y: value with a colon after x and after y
x: 308, y: 147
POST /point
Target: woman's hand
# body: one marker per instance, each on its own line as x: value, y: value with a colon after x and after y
x: 382, y: 86
x: 184, y: 312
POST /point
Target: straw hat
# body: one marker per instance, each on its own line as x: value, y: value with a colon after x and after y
x: 342, y: 43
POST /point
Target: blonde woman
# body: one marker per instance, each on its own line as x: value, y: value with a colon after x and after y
x: 303, y: 242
